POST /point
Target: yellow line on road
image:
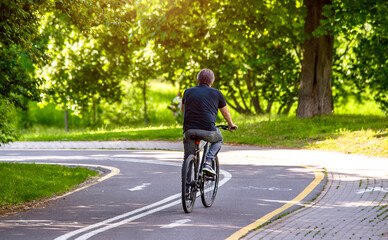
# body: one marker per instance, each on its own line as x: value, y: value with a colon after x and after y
x: 318, y: 178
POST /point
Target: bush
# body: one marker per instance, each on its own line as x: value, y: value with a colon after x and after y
x: 7, y: 129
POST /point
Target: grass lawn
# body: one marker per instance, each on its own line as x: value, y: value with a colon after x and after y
x: 344, y: 133
x: 366, y: 135
x: 23, y: 182
x: 150, y: 133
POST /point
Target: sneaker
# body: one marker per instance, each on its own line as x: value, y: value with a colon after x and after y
x: 207, y: 168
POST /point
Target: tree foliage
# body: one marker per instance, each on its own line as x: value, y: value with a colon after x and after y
x: 262, y: 53
x: 254, y: 47
x: 79, y: 73
x: 18, y: 51
x: 255, y: 56
x: 361, y: 29
x: 23, y: 45
x: 89, y: 54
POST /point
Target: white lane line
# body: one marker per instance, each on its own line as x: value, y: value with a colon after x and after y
x: 176, y: 223
x: 30, y: 158
x: 107, y: 224
x: 96, y: 225
x: 157, y: 162
x: 261, y: 188
x: 140, y: 187
x: 372, y: 189
x: 114, y: 225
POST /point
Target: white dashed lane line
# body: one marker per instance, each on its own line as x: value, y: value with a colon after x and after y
x: 122, y: 219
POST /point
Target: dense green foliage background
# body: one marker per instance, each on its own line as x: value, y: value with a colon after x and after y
x: 99, y: 59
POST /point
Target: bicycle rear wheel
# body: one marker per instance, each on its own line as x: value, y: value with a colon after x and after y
x: 188, y: 184
x: 210, y: 186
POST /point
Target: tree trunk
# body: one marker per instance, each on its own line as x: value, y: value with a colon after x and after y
x: 287, y: 110
x: 253, y: 94
x: 237, y: 106
x: 94, y: 111
x: 66, y: 122
x: 315, y: 96
x: 145, y: 102
x: 269, y: 107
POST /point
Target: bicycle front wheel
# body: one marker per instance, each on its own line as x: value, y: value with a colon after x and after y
x: 210, y: 186
x: 188, y: 184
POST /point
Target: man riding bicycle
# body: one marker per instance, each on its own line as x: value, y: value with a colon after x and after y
x: 200, y: 106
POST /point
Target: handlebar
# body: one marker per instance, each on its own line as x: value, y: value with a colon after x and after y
x: 225, y: 127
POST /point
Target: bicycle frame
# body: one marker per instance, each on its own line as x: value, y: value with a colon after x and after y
x: 202, y: 145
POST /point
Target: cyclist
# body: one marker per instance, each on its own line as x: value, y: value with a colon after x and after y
x: 200, y: 106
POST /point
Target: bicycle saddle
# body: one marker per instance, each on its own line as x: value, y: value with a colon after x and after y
x: 195, y: 137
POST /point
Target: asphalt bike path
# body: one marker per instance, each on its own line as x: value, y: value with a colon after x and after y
x: 143, y: 199
x: 353, y: 204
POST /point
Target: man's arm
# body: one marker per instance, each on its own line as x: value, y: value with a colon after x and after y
x: 225, y: 112
x: 183, y: 109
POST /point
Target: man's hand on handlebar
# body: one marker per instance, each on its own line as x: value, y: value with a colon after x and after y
x: 232, y: 127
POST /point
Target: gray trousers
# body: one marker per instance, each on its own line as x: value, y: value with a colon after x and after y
x: 214, y: 137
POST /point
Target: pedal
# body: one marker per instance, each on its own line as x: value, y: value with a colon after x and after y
x: 209, y: 178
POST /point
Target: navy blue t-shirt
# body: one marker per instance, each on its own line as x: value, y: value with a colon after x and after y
x: 201, y: 104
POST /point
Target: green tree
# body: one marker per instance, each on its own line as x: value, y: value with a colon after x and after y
x: 21, y: 43
x: 349, y: 41
x: 18, y: 51
x: 80, y: 75
x: 7, y: 131
x: 261, y: 53
x: 360, y: 60
x: 145, y: 67
x: 86, y: 66
x: 255, y: 56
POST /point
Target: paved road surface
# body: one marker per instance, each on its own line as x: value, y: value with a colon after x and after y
x: 142, y: 201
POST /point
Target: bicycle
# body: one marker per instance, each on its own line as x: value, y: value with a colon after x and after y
x: 194, y: 179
